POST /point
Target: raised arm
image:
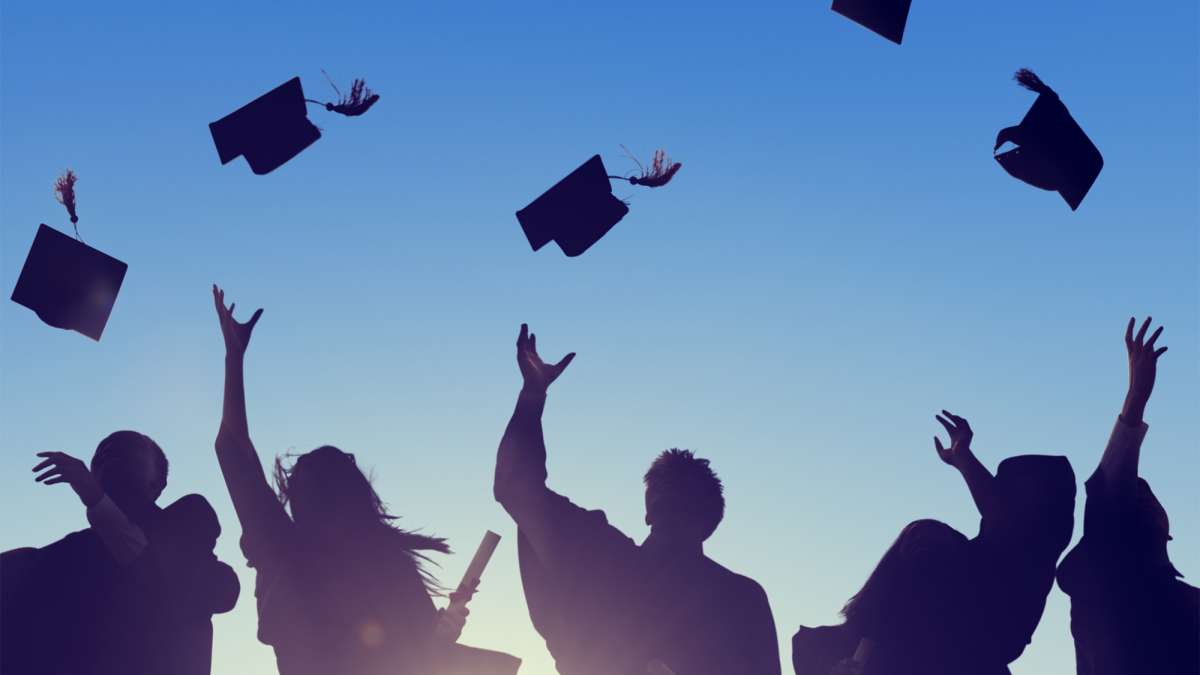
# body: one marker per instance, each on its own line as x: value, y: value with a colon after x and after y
x: 521, y: 458
x: 243, y: 472
x: 980, y: 481
x: 1119, y: 464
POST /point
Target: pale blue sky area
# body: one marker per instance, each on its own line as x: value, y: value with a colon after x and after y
x: 839, y: 258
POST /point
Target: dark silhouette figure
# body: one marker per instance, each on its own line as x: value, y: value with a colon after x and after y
x: 581, y: 208
x: 339, y: 588
x: 606, y: 605
x: 274, y: 128
x: 69, y: 284
x: 938, y: 602
x: 1053, y: 153
x: 1130, y: 611
x: 886, y: 17
x: 134, y: 593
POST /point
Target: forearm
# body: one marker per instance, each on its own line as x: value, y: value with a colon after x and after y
x: 1119, y: 463
x: 240, y: 465
x: 124, y: 540
x: 980, y: 482
x: 521, y: 458
x: 234, y: 424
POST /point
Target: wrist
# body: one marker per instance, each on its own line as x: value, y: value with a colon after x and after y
x: 90, y: 496
x: 529, y: 389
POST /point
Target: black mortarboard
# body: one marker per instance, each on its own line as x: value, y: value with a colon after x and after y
x: 886, y: 17
x: 69, y: 284
x: 1053, y: 153
x: 581, y: 208
x: 576, y: 212
x: 268, y: 131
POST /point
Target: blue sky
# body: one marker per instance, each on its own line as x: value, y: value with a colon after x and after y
x: 839, y: 258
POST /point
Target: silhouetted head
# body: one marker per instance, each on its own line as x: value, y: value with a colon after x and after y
x: 132, y: 469
x: 327, y: 492
x: 332, y: 500
x: 1156, y: 526
x: 915, y: 583
x: 1038, y: 497
x: 684, y: 499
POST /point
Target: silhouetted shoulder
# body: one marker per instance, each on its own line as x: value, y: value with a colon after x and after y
x: 194, y: 513
x: 815, y: 651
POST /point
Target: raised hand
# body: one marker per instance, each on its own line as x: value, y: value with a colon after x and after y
x: 960, y: 439
x: 237, y: 335
x: 537, y: 373
x: 1143, y: 369
x: 60, y: 467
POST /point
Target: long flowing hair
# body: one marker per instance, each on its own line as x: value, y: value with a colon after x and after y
x: 329, y: 481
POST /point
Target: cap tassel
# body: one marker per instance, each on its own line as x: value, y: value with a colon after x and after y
x: 1028, y: 79
x: 64, y: 192
x: 359, y: 101
x: 662, y: 170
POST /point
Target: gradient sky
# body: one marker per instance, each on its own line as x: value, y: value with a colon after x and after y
x: 839, y: 258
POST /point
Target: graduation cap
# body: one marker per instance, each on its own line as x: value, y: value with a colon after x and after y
x: 273, y: 128
x: 1053, y: 153
x: 886, y: 17
x: 581, y: 208
x: 69, y: 284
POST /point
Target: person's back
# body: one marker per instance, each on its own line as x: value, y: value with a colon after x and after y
x: 604, y: 604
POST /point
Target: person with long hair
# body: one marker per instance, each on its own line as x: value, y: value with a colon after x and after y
x: 940, y: 603
x: 1131, y: 612
x: 340, y: 588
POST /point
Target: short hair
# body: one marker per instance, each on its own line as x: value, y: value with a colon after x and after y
x: 686, y: 486
x: 120, y: 442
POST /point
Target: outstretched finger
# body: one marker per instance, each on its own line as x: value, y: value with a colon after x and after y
x: 55, y: 481
x: 945, y: 423
x: 254, y: 319
x: 1153, y: 337
x: 56, y: 471
x: 523, y: 336
x: 1129, y: 332
x: 1160, y: 352
x: 42, y: 465
x: 1142, y: 331
x: 566, y: 361
x: 937, y: 444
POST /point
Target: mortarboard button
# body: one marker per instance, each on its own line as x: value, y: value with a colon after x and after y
x: 886, y: 17
x: 581, y: 208
x: 1053, y: 152
x: 69, y: 284
x: 268, y: 131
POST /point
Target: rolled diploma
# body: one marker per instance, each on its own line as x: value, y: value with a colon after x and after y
x: 479, y: 562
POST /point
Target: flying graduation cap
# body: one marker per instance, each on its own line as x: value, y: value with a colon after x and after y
x: 1052, y: 152
x: 886, y: 17
x: 273, y: 128
x: 581, y: 208
x: 69, y: 284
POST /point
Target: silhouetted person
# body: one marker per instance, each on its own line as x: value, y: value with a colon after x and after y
x: 606, y: 605
x: 938, y: 602
x: 1130, y: 612
x: 132, y: 594
x: 340, y: 589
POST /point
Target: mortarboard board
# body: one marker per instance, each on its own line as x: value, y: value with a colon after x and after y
x: 268, y: 131
x: 886, y: 17
x: 69, y: 284
x: 1053, y: 152
x: 576, y: 212
x: 581, y: 208
x: 273, y: 128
